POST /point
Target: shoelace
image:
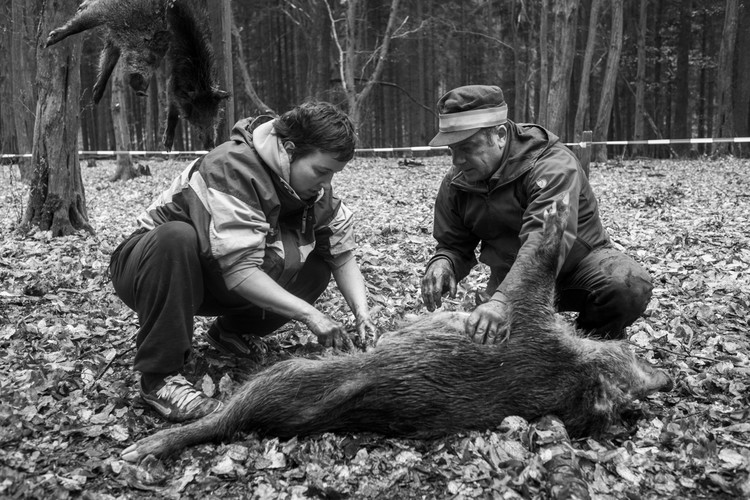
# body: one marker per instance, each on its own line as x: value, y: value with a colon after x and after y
x: 181, y: 392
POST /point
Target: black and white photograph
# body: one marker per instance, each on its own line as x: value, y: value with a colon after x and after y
x: 375, y: 249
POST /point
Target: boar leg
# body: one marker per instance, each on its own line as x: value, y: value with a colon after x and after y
x: 531, y: 293
x: 107, y: 61
x: 173, y: 116
x: 83, y: 20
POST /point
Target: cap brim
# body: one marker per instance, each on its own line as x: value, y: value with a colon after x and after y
x: 448, y: 138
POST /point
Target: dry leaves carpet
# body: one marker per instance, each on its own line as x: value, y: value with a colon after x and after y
x: 68, y: 398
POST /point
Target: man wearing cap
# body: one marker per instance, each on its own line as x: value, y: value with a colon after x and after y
x: 504, y: 175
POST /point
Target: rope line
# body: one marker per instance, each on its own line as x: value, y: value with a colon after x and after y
x: 695, y: 140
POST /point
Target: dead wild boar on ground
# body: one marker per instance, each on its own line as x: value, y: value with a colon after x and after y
x: 428, y: 379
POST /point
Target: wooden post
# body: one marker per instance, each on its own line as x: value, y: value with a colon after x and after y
x: 584, y: 153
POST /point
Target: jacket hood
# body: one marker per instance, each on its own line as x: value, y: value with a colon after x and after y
x: 259, y: 133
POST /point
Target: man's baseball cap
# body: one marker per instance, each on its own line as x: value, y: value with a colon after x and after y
x: 465, y: 110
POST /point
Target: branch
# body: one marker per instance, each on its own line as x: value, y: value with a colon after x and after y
x: 247, y: 83
x: 338, y: 45
x: 381, y: 54
x: 390, y: 84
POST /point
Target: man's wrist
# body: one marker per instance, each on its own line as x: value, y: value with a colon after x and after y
x: 499, y: 297
x: 438, y: 258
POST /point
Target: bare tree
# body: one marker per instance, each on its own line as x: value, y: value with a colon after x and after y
x: 543, y: 63
x: 349, y: 57
x: 640, y: 79
x: 221, y: 19
x: 681, y: 128
x: 125, y: 169
x: 247, y: 83
x: 723, y: 114
x: 57, y: 201
x: 23, y: 62
x: 582, y: 111
x: 566, y: 16
x: 610, y: 79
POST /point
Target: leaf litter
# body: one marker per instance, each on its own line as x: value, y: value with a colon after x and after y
x: 68, y: 395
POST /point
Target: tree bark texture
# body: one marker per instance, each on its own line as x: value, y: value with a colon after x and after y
x: 23, y: 62
x: 604, y: 113
x: 250, y: 93
x: 56, y: 200
x: 681, y: 127
x: 640, y: 79
x: 125, y: 170
x: 584, y: 98
x: 543, y: 63
x: 566, y: 18
x: 723, y: 120
x: 740, y: 87
x: 220, y: 18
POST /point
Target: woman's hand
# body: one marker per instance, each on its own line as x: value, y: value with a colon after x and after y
x: 367, y: 329
x: 329, y: 332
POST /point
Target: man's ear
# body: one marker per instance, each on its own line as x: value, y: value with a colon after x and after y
x: 502, y: 135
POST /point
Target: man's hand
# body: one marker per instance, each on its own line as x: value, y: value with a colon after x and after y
x: 438, y: 279
x: 329, y: 332
x: 486, y: 324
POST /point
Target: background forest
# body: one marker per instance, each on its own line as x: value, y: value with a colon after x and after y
x: 626, y: 69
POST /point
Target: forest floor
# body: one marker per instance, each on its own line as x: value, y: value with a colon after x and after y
x: 68, y: 394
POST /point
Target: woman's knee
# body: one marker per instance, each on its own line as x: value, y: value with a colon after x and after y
x: 174, y: 235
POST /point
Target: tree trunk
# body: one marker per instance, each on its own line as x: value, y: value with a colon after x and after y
x: 682, y: 78
x: 125, y: 169
x: 7, y: 122
x: 723, y: 114
x: 640, y: 79
x: 741, y: 89
x: 348, y: 57
x: 582, y: 111
x: 220, y: 19
x: 610, y: 79
x: 521, y: 66
x: 247, y: 84
x: 56, y: 200
x: 543, y: 63
x: 23, y: 62
x: 566, y: 18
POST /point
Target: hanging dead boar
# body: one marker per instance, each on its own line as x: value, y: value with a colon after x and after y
x: 192, y: 87
x: 428, y: 379
x: 135, y: 31
x: 140, y: 33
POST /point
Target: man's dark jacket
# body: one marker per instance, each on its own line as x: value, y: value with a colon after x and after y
x: 505, y: 212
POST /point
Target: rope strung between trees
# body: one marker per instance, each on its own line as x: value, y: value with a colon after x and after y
x: 651, y: 142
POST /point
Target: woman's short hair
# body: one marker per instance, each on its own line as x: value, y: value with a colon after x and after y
x: 317, y: 126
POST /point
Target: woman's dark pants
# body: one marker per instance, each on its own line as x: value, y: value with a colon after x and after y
x: 159, y: 275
